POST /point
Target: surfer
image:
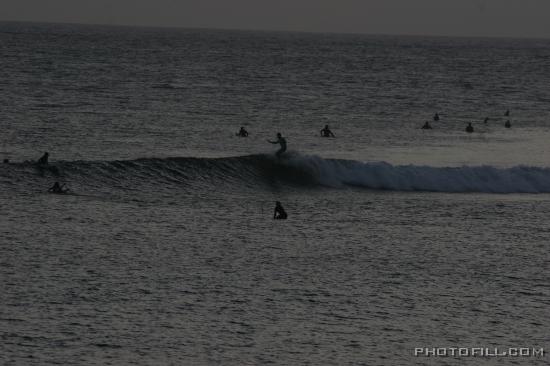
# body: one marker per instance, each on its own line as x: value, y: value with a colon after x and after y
x: 326, y: 132
x: 508, y: 124
x: 44, y: 159
x: 507, y: 113
x: 57, y: 188
x: 280, y: 213
x: 436, y: 117
x: 281, y: 141
x: 242, y: 132
x: 470, y: 128
x: 486, y: 120
x: 426, y: 126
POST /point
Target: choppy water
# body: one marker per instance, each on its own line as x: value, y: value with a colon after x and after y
x: 165, y: 251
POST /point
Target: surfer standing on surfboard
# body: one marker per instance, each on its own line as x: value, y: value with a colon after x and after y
x: 281, y: 141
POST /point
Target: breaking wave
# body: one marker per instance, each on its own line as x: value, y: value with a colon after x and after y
x: 295, y: 169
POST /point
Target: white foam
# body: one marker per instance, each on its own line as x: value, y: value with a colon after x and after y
x: 381, y: 175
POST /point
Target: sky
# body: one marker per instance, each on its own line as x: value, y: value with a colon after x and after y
x: 498, y: 18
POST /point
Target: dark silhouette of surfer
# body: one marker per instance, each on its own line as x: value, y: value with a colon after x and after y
x: 281, y: 141
x: 58, y: 188
x: 426, y: 126
x: 486, y: 120
x: 242, y: 132
x: 326, y: 132
x: 507, y: 113
x: 508, y: 124
x: 279, y: 213
x: 44, y: 159
x: 436, y: 117
x: 469, y: 128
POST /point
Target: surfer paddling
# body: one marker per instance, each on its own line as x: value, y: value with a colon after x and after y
x: 58, y: 188
x: 281, y: 141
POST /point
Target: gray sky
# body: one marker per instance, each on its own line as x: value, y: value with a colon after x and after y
x: 514, y: 18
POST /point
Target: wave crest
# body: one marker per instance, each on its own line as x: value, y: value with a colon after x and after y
x: 294, y: 169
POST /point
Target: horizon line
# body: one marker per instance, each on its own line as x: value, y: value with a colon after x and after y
x: 316, y: 32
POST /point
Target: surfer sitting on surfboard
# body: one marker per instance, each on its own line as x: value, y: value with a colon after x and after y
x: 326, y: 132
x: 57, y: 188
x: 44, y: 159
x: 281, y: 141
x: 242, y: 132
x: 426, y: 126
x: 280, y: 213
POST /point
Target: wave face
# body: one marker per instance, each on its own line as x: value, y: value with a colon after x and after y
x: 384, y: 176
x: 295, y: 169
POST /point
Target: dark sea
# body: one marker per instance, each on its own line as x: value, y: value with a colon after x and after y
x: 165, y: 251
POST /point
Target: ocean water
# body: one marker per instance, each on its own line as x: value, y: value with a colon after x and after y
x: 165, y: 251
